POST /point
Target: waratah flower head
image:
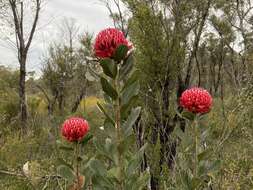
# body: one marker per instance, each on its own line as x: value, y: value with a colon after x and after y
x: 74, y: 129
x: 107, y: 41
x: 196, y: 100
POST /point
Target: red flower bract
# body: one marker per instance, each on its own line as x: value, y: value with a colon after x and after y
x: 196, y: 100
x: 74, y: 129
x: 107, y: 41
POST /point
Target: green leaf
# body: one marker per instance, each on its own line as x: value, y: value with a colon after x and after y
x: 66, y: 148
x: 133, y: 166
x: 86, y: 139
x: 110, y: 147
x: 195, y: 183
x: 205, y: 133
x: 126, y: 67
x: 133, y: 78
x: 142, y: 181
x: 108, y: 89
x: 215, y: 166
x: 126, y: 143
x: 205, y: 154
x: 97, y: 167
x: 130, y: 91
x: 62, y: 146
x: 109, y: 67
x: 120, y: 53
x: 179, y: 133
x: 100, y: 179
x: 127, y: 126
x: 125, y: 109
x: 107, y: 100
x: 61, y: 161
x: 66, y: 173
x: 186, y: 180
x: 108, y: 124
x: 188, y: 115
x: 135, y: 161
x: 99, y: 147
x: 114, y: 172
x: 102, y: 109
x: 102, y: 149
x: 130, y: 94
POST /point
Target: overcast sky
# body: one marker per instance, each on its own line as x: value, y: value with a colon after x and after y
x: 91, y: 15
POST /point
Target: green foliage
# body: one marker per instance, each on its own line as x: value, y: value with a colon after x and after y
x: 195, y: 159
x: 164, y: 35
x: 119, y: 168
x: 8, y: 99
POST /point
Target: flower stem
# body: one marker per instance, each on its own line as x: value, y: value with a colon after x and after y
x: 117, y: 108
x: 196, y: 147
x: 77, y: 166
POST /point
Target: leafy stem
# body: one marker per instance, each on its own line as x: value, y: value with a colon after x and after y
x: 117, y: 108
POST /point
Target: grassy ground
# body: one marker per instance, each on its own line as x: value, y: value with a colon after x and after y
x: 232, y: 133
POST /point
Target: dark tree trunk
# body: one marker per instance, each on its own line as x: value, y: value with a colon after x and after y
x: 154, y: 183
x: 22, y: 95
x: 60, y: 103
x: 79, y: 98
x: 23, y: 43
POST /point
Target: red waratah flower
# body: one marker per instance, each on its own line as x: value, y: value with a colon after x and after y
x: 74, y: 129
x: 196, y: 100
x: 107, y: 41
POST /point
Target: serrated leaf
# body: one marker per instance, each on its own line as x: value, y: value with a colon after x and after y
x: 127, y: 126
x: 108, y: 89
x: 109, y: 67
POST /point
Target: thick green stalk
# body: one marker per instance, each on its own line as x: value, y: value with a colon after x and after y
x: 117, y: 109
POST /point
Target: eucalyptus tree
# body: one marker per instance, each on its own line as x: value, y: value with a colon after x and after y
x: 14, y: 15
x: 234, y: 27
x: 167, y: 36
x: 69, y: 69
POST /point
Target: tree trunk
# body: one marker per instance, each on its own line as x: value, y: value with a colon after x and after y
x: 22, y: 94
x: 17, y: 10
x: 79, y: 98
x: 154, y: 183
